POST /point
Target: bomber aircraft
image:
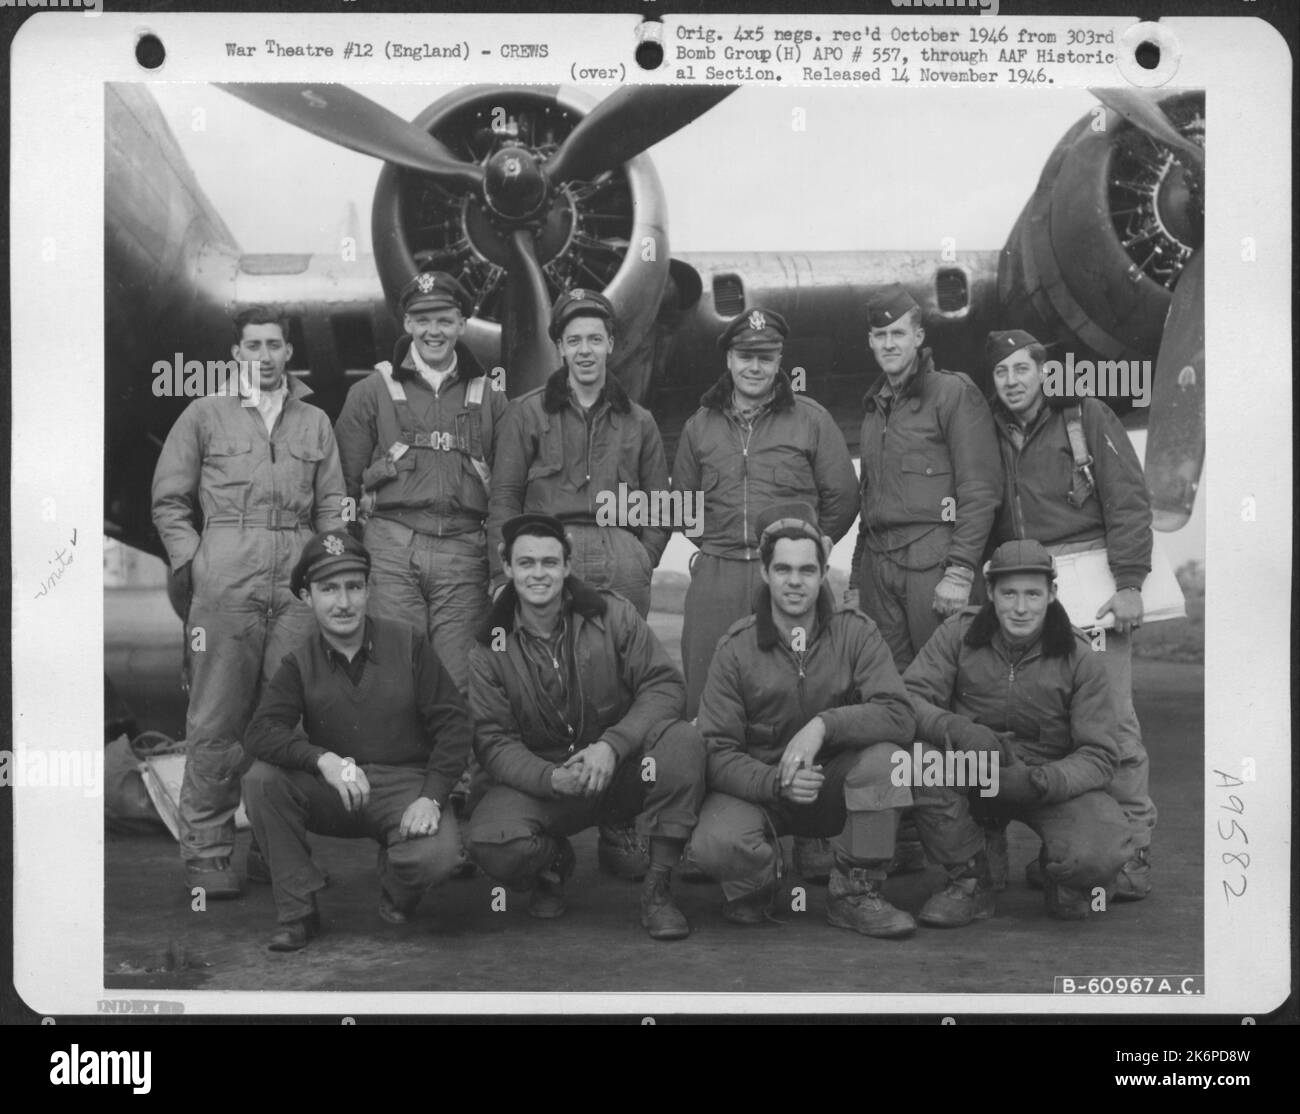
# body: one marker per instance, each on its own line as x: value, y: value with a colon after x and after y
x: 525, y: 191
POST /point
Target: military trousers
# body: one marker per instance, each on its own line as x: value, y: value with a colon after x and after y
x: 284, y: 805
x: 437, y: 585
x: 231, y: 655
x: 612, y: 558
x: 512, y: 833
x: 1085, y: 840
x: 858, y: 807
x: 900, y: 598
x: 1131, y: 785
x: 721, y: 592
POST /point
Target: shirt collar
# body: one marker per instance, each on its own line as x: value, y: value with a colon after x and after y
x: 754, y: 414
x: 425, y: 370
x: 558, y: 633
x: 367, y: 650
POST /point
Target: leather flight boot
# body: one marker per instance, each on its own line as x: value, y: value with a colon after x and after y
x: 659, y: 915
x: 967, y: 897
x: 547, y: 900
x: 214, y: 876
x: 623, y: 853
x: 854, y: 900
x: 1133, y: 882
x: 293, y: 936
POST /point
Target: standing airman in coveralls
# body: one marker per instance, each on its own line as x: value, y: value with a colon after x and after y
x: 262, y: 470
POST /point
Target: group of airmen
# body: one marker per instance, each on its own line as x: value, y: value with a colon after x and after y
x: 412, y: 628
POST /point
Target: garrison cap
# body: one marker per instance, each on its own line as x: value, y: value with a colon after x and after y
x: 579, y: 303
x: 1020, y: 555
x: 551, y: 527
x: 1000, y: 345
x: 794, y: 515
x: 434, y: 290
x: 755, y: 330
x: 889, y: 305
x: 333, y: 551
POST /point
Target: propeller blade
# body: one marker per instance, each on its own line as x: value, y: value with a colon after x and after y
x: 628, y: 122
x: 343, y: 116
x: 526, y: 346
x: 1176, y: 425
x: 1145, y: 115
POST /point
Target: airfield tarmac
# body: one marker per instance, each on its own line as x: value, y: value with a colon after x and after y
x: 458, y: 943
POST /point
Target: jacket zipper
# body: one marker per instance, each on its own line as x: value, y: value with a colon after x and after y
x: 747, y: 432
x: 275, y: 503
x: 591, y: 433
x: 800, y: 659
x: 1018, y: 511
x: 555, y: 665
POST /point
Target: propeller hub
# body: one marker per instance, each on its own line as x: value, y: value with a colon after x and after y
x: 1177, y: 206
x: 514, y: 187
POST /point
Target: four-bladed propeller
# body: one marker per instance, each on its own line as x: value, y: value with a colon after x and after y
x: 514, y: 184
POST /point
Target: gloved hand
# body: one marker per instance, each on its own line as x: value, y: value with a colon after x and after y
x: 952, y: 593
x: 966, y: 734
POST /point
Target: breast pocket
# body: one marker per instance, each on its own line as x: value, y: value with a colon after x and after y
x: 550, y: 454
x: 721, y: 467
x: 227, y: 468
x: 927, y: 482
x: 794, y: 481
x: 306, y: 456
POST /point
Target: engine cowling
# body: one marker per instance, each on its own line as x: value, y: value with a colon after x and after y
x: 1096, y: 253
x: 609, y: 234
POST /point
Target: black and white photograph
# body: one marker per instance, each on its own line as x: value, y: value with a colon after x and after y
x: 716, y: 545
x: 971, y: 239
